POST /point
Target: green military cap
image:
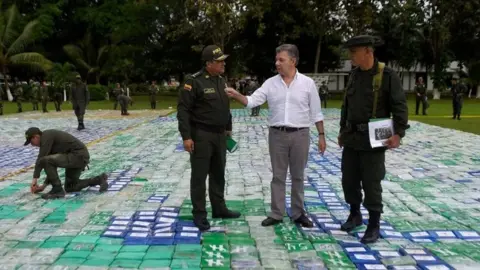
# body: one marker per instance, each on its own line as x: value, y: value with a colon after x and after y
x: 213, y: 53
x: 30, y: 133
x: 361, y: 41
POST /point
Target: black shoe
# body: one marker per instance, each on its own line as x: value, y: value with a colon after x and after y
x: 458, y: 118
x: 227, y: 214
x: 354, y: 219
x: 55, y: 193
x: 373, y: 229
x: 202, y: 224
x: 270, y: 221
x: 304, y: 221
x: 81, y: 126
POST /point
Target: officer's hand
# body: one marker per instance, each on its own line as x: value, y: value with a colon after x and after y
x: 38, y: 188
x: 231, y: 92
x: 393, y: 142
x: 188, y: 145
x: 322, y: 145
x: 33, y: 185
x: 340, y: 143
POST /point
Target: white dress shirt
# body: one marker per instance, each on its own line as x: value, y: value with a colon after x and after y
x: 297, y: 105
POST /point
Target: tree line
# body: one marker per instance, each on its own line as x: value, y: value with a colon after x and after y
x: 136, y: 41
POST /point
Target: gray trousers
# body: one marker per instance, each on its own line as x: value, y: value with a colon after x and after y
x: 288, y: 149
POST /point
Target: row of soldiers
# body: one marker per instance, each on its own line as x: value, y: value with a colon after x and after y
x: 120, y: 97
x: 39, y: 93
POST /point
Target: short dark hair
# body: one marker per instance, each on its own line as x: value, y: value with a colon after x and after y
x: 292, y: 51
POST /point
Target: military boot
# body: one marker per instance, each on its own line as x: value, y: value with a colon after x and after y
x: 373, y: 229
x: 57, y: 192
x: 201, y: 223
x: 354, y: 219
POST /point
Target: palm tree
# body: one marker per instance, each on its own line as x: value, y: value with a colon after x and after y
x: 87, y: 57
x: 13, y: 44
x: 61, y: 75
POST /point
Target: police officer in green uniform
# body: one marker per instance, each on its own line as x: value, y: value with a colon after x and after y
x: 204, y: 121
x: 153, y: 90
x: 362, y: 165
x: 80, y: 98
x: 421, y: 96
x: 458, y: 91
x: 323, y: 93
x: 44, y: 96
x: 59, y: 149
x: 34, y: 94
x: 116, y: 93
x: 58, y: 99
x: 18, y: 95
x: 124, y: 100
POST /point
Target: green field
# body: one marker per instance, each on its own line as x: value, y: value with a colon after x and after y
x: 439, y: 113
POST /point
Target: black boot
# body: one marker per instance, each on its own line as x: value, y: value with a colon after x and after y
x: 458, y: 117
x: 100, y: 180
x: 227, y: 214
x: 354, y: 219
x: 201, y: 223
x: 373, y: 229
x: 57, y: 192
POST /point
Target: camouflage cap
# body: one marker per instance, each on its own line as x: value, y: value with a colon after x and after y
x: 362, y: 40
x: 213, y: 53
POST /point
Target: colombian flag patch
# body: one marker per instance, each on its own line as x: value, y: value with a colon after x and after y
x: 187, y: 87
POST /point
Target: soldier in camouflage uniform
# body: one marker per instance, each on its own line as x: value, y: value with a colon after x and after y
x: 323, y: 91
x: 58, y: 100
x: 18, y: 95
x: 44, y: 96
x: 116, y: 93
x: 458, y: 91
x: 421, y: 96
x: 153, y: 90
x: 34, y: 94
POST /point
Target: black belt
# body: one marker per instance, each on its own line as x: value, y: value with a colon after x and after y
x: 357, y: 127
x: 209, y: 128
x: 288, y: 129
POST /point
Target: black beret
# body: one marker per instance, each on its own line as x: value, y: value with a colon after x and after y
x: 362, y: 40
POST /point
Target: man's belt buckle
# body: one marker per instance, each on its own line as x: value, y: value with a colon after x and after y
x: 287, y: 129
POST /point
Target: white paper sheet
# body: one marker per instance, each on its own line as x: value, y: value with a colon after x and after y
x: 380, y: 131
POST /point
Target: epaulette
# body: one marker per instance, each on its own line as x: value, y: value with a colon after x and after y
x: 197, y: 74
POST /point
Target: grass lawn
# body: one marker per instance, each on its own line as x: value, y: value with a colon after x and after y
x: 439, y: 113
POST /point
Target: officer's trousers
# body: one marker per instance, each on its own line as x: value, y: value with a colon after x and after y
x: 79, y: 112
x: 457, y: 107
x: 115, y: 102
x: 419, y: 100
x: 324, y: 100
x: 35, y: 105
x: 44, y: 105
x: 208, y: 158
x: 19, y: 105
x: 363, y: 169
x: 123, y: 107
x: 57, y: 103
x: 73, y: 164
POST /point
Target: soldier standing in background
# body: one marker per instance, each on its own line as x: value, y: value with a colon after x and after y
x: 34, y: 94
x: 116, y: 93
x: 58, y: 99
x: 373, y: 91
x: 124, y: 101
x: 153, y: 90
x: 44, y: 96
x: 458, y: 90
x: 323, y: 91
x: 80, y: 98
x: 251, y: 86
x: 1, y: 100
x: 18, y: 95
x: 420, y: 96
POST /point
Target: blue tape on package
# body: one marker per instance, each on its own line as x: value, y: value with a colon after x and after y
x: 427, y: 259
x: 423, y: 234
x: 357, y: 249
x: 391, y: 234
x: 139, y: 229
x: 165, y: 230
x: 403, y: 267
x: 187, y: 229
x: 167, y: 214
x: 330, y: 226
x: 146, y: 213
x: 442, y: 234
x: 119, y: 222
x: 387, y: 254
x: 166, y: 220
x: 370, y: 266
x: 314, y: 229
x: 137, y: 237
x: 186, y: 223
x: 139, y: 223
x: 435, y: 267
x: 467, y: 235
x: 114, y: 234
x: 164, y: 225
x: 350, y: 243
x: 146, y: 218
x: 423, y: 240
x: 127, y: 218
x: 414, y: 251
x: 362, y: 258
x: 169, y: 209
x: 118, y: 228
x: 162, y: 239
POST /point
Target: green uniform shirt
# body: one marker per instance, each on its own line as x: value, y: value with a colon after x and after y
x: 59, y: 142
x: 203, y: 101
x: 458, y: 90
x: 44, y: 92
x: 420, y: 89
x: 153, y: 90
x: 323, y: 90
x: 79, y: 94
x: 35, y: 93
x: 358, y: 105
x: 118, y: 91
x: 18, y: 91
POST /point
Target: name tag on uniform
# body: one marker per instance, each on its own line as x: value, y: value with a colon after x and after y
x: 209, y: 90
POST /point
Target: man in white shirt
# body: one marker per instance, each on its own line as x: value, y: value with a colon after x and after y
x: 294, y: 104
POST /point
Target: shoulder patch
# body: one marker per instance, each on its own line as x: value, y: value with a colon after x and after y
x: 187, y: 87
x: 194, y: 75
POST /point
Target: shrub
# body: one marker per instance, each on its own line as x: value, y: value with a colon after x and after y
x: 97, y: 91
